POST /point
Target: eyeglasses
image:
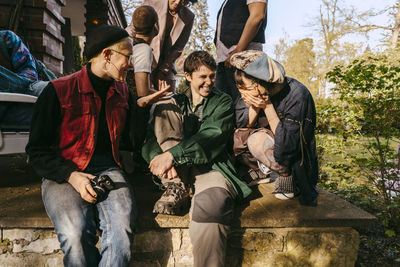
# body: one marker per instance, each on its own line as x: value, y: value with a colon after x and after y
x: 253, y: 86
x: 127, y: 56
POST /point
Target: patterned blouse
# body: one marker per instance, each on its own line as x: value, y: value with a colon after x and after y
x: 12, y: 47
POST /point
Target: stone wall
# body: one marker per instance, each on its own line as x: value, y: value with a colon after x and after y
x: 171, y: 247
x: 29, y: 247
x: 293, y: 247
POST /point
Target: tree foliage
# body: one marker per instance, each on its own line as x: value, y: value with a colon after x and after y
x: 337, y: 21
x: 201, y: 37
x: 390, y: 30
x: 396, y: 26
x: 333, y: 25
x: 280, y: 48
x: 369, y: 93
x: 299, y: 62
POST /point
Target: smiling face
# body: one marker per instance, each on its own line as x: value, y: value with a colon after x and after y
x: 118, y: 60
x: 201, y: 81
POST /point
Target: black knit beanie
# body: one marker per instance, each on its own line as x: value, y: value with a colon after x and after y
x: 101, y: 37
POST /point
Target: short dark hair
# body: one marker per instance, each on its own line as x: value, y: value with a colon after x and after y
x: 193, y: 1
x: 197, y: 59
x: 144, y: 18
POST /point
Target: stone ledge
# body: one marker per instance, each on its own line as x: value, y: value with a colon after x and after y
x: 22, y: 207
x: 332, y: 211
x: 316, y: 247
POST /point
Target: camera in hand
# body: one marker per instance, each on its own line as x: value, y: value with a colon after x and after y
x: 102, y: 185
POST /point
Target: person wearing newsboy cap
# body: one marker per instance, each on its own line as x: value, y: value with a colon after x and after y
x: 281, y: 112
x: 79, y: 124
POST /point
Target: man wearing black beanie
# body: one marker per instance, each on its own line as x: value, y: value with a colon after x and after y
x: 78, y: 125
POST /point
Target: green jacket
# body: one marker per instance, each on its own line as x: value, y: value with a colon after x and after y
x: 208, y: 144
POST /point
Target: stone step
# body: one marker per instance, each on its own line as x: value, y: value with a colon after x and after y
x: 266, y: 231
x: 22, y: 207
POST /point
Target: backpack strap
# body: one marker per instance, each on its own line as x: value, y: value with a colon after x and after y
x: 138, y: 41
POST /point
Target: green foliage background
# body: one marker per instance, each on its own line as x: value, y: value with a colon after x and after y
x: 359, y: 133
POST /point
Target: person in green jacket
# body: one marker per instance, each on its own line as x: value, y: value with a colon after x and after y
x: 188, y: 146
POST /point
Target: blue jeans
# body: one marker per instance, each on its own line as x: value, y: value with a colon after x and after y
x: 11, y: 82
x: 76, y: 221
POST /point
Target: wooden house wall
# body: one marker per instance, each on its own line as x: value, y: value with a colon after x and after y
x: 104, y: 12
x: 116, y: 14
x: 41, y: 26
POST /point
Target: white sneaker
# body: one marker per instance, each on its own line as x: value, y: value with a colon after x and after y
x: 284, y: 196
x: 283, y: 187
x: 260, y: 181
x: 263, y: 168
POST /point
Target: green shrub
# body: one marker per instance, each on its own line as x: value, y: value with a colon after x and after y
x: 361, y: 162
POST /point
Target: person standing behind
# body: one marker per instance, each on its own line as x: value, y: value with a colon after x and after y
x: 142, y: 30
x: 176, y: 22
x: 240, y: 26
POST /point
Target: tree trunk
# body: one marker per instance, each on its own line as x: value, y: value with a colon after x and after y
x: 396, y: 28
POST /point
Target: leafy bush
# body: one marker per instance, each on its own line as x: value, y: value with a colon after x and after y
x: 366, y: 116
x: 326, y: 122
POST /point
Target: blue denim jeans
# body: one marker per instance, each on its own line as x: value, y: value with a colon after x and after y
x: 76, y: 221
x: 11, y: 82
